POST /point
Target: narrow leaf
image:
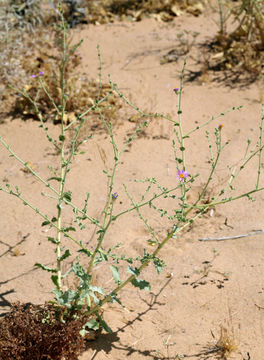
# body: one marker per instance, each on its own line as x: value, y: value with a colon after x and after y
x: 54, y: 241
x: 54, y: 279
x: 54, y: 178
x: 85, y: 251
x: 65, y: 255
x: 104, y: 324
x: 46, y: 268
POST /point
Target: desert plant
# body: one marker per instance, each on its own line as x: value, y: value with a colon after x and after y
x: 84, y: 302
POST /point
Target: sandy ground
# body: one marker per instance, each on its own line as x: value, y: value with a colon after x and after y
x: 198, y: 293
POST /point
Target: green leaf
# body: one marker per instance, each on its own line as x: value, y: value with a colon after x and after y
x: 65, y: 255
x: 159, y: 265
x: 64, y: 298
x: 67, y: 195
x: 81, y: 274
x: 95, y: 299
x: 85, y: 251
x: 115, y: 299
x: 67, y: 273
x: 70, y: 228
x: 54, y: 279
x: 115, y: 273
x: 54, y: 241
x: 54, y: 178
x: 92, y: 324
x: 82, y: 332
x: 132, y: 271
x: 78, y: 270
x: 142, y: 284
x: 97, y: 289
x: 45, y: 223
x: 104, y: 324
x: 46, y: 268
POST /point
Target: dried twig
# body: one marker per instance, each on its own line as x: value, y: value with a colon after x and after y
x: 232, y: 237
x: 259, y: 307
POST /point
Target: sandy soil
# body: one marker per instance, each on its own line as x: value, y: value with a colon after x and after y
x: 183, y: 309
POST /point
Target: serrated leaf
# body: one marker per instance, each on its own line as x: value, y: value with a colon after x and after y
x: 142, y: 284
x: 78, y: 270
x: 64, y: 298
x: 46, y: 268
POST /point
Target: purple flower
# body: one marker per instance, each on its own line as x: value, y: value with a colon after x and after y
x: 39, y: 74
x: 176, y: 90
x: 220, y: 127
x: 114, y: 195
x: 182, y: 175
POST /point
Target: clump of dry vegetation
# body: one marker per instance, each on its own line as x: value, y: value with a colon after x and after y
x: 48, y: 338
x: 103, y: 11
x: 226, y: 343
x: 242, y: 48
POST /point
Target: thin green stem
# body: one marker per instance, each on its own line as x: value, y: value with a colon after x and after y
x: 100, y: 73
x: 109, y: 297
x: 45, y: 217
x: 63, y: 170
x: 179, y: 98
x: 49, y: 96
x: 247, y: 194
x: 38, y: 113
x: 147, y: 202
x: 24, y: 163
x: 212, y: 119
x: 260, y: 146
x: 214, y: 164
x: 150, y: 229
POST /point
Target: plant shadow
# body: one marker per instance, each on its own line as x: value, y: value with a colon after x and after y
x: 107, y: 342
